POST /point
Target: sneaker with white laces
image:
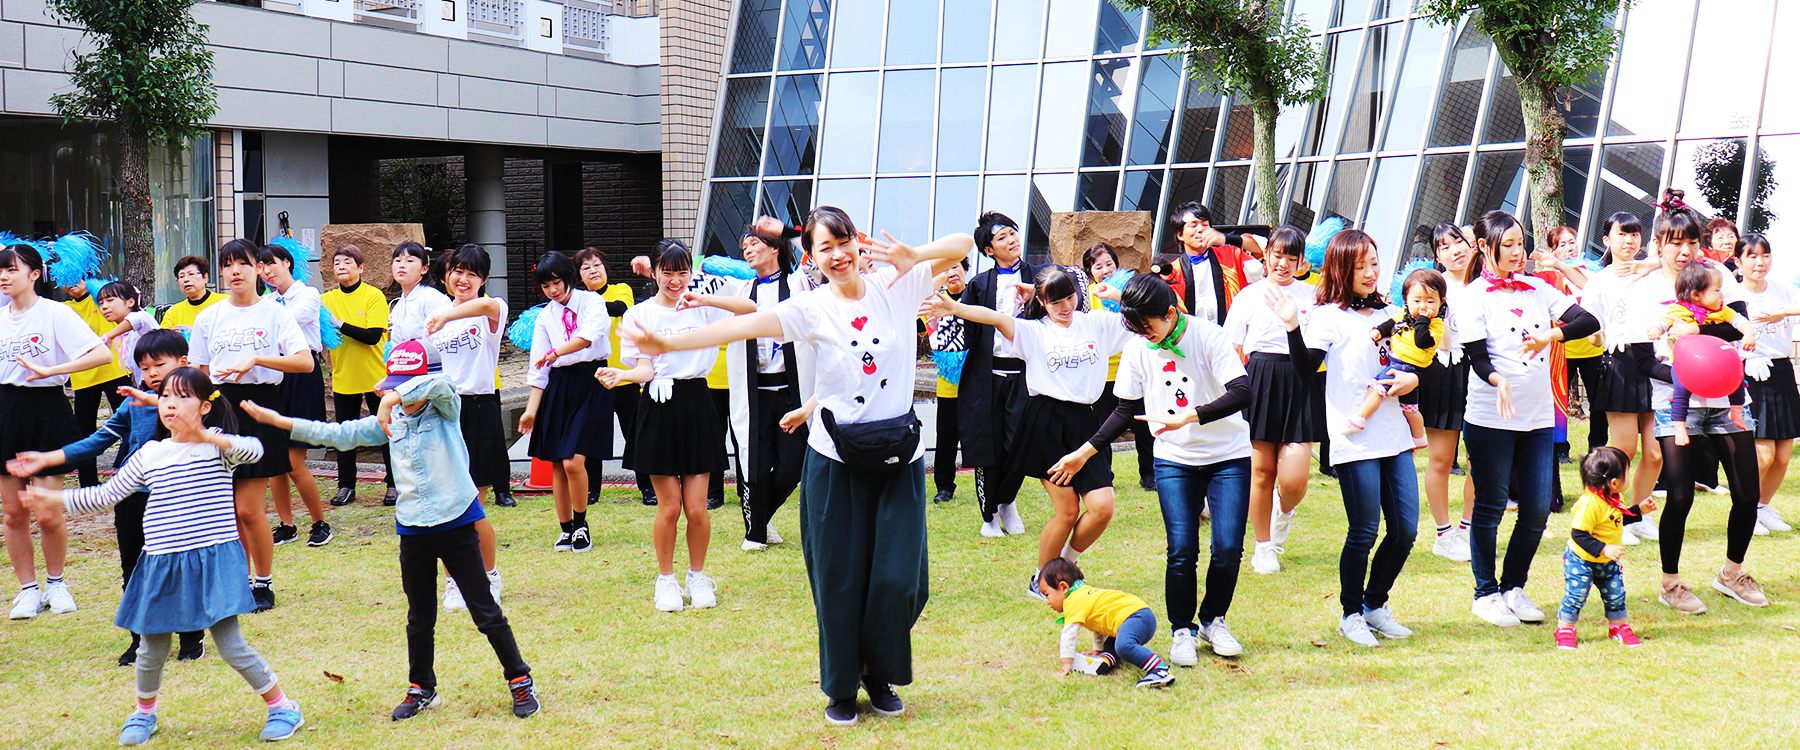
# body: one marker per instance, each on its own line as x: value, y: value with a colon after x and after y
x: 1645, y: 529
x: 1771, y: 519
x: 495, y: 585
x: 1010, y: 520
x: 1382, y: 622
x: 1741, y: 587
x: 564, y: 542
x: 1267, y: 558
x: 668, y: 594
x: 770, y: 537
x: 56, y: 596
x: 1218, y: 636
x: 1627, y: 538
x: 1280, y: 524
x: 702, y: 591
x: 1681, y: 598
x: 749, y: 546
x: 1452, y: 545
x: 453, y: 598
x: 28, y: 603
x: 1522, y: 606
x: 1356, y: 629
x: 580, y: 541
x: 993, y: 529
x: 1493, y: 609
x: 1182, y: 652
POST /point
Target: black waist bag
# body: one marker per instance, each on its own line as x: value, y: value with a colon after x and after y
x: 879, y: 447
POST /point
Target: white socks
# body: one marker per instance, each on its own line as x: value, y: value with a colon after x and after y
x: 1071, y: 554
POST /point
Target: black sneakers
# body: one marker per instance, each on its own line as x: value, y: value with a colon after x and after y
x: 285, y: 534
x: 417, y: 699
x: 265, y: 597
x: 344, y: 496
x: 130, y: 656
x: 564, y: 542
x: 944, y: 495
x: 650, y: 499
x: 504, y: 499
x: 391, y: 498
x: 882, y: 697
x: 841, y: 713
x: 715, y: 502
x: 193, y: 645
x: 580, y: 541
x: 524, y: 695
x: 320, y: 536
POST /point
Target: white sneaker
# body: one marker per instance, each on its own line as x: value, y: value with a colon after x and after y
x: 668, y: 594
x: 57, y: 596
x: 1719, y: 490
x: 1493, y: 609
x: 770, y: 537
x: 453, y: 598
x: 27, y: 604
x: 1627, y: 538
x: 749, y: 546
x: 1645, y: 529
x: 1181, y: 651
x: 1267, y: 558
x: 1659, y: 494
x: 1010, y: 520
x: 1090, y: 665
x: 1355, y: 628
x: 1382, y: 621
x: 1770, y: 516
x: 1759, y: 529
x: 1219, y: 637
x: 993, y: 529
x: 1522, y: 606
x: 1280, y: 524
x: 1452, y: 545
x: 701, y: 590
x: 495, y: 585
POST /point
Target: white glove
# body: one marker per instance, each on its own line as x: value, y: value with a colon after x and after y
x: 1757, y: 368
x: 660, y: 389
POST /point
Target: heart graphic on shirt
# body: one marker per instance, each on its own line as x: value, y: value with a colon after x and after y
x: 1169, y: 366
x: 868, y: 363
x: 1518, y: 312
x: 35, y: 339
x: 1180, y: 397
x: 859, y: 322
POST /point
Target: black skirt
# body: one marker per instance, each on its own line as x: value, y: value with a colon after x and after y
x: 35, y: 418
x: 574, y: 416
x: 1050, y: 429
x: 678, y: 437
x: 1284, y: 408
x: 1776, y: 402
x: 274, y: 462
x: 1442, y: 401
x: 303, y: 397
x: 485, y: 435
x: 1627, y: 391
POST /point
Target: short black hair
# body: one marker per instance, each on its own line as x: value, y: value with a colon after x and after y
x: 1177, y: 216
x: 1287, y: 241
x: 1145, y: 296
x: 554, y: 266
x: 1695, y: 278
x: 413, y: 249
x: 671, y: 255
x: 989, y: 225
x: 162, y: 342
x: 1602, y: 465
x: 239, y: 251
x: 120, y: 290
x: 271, y: 253
x: 1053, y: 283
x: 1060, y: 571
x: 471, y: 257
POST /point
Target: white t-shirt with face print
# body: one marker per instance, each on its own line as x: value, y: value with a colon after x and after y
x: 1069, y: 363
x: 1505, y: 318
x: 1169, y: 385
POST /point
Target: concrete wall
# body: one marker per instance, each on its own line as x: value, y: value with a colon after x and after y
x: 693, y: 63
x: 285, y: 72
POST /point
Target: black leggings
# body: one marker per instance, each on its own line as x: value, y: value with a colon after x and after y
x: 943, y: 461
x: 1592, y: 374
x: 347, y: 407
x: 1738, y: 452
x: 1142, y: 439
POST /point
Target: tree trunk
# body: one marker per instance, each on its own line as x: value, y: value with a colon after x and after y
x: 1268, y: 193
x: 139, y: 243
x: 1545, y: 129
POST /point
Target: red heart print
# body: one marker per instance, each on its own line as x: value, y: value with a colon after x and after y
x: 1169, y: 366
x: 1518, y: 312
x: 859, y: 322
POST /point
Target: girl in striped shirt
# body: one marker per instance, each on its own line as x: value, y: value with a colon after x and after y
x: 193, y: 572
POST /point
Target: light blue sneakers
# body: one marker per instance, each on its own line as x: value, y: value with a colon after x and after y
x: 282, y: 723
x: 139, y: 726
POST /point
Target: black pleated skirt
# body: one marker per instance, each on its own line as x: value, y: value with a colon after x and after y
x: 1442, y: 401
x: 574, y: 416
x: 485, y: 435
x: 1284, y: 408
x: 1050, y: 429
x: 35, y: 418
x: 303, y: 396
x: 1626, y: 391
x: 680, y: 436
x: 274, y: 462
x: 1776, y: 402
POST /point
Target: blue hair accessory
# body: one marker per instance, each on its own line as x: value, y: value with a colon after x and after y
x: 1320, y: 236
x: 520, y: 332
x: 73, y: 257
x: 95, y: 285
x: 720, y: 265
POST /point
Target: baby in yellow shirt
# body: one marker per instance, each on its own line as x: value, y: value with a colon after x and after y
x: 1121, y: 623
x: 1699, y: 300
x: 1597, y: 523
x: 1414, y: 335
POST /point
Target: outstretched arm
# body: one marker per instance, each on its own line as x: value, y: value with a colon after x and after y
x: 757, y: 325
x: 940, y: 304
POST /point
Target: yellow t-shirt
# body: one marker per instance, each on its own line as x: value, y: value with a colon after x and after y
x: 718, y: 380
x: 1100, y: 610
x: 108, y: 372
x: 1311, y: 277
x: 618, y: 293
x: 355, y: 366
x: 1408, y: 351
x: 1595, y: 516
x: 1112, y: 365
x: 183, y: 313
x: 1681, y: 313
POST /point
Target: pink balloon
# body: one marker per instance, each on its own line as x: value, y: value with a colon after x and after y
x: 1708, y: 366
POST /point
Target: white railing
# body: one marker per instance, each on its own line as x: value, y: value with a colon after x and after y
x: 491, y: 16
x: 407, y: 9
x: 586, y: 28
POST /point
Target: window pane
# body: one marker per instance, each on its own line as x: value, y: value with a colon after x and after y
x: 1584, y: 106
x: 1251, y: 214
x: 741, y: 131
x: 1712, y: 173
x: 958, y: 205
x: 912, y: 33
x: 850, y: 195
x: 966, y: 30
x: 794, y: 127
x: 1630, y: 183
x: 1155, y: 110
x: 1309, y: 188
x: 1641, y: 97
x: 1228, y: 194
x: 1373, y: 87
x: 1389, y: 9
x: 1460, y: 99
x: 1240, y: 132
x: 1050, y: 193
x: 1724, y: 79
x: 803, y: 34
x: 1105, y: 141
x: 1499, y: 184
x: 1006, y: 194
x: 959, y: 123
x: 1350, y: 13
x: 1096, y: 191
x: 787, y: 200
x: 1199, y: 124
x: 1188, y: 185
x: 1118, y: 29
x: 1019, y: 29
x: 849, y: 140
x: 1385, y: 219
x: 1780, y: 115
x: 1070, y: 31
x: 1576, y: 163
x: 732, y: 206
x: 1143, y: 190
x: 1011, y: 104
x: 1346, y: 188
x: 1315, y: 13
x: 1419, y: 72
x: 754, y: 49
x: 1288, y: 125
x: 1328, y: 114
x: 1059, y: 116
x: 858, y: 29
x: 1783, y: 201
x: 1440, y: 186
x: 906, y: 119
x: 1505, y: 123
x: 903, y: 208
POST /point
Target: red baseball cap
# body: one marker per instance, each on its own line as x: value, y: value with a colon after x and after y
x: 408, y: 360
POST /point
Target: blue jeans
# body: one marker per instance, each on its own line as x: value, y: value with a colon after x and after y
x: 1134, y: 632
x: 1375, y: 489
x: 1495, y: 458
x: 1184, y: 490
x: 1580, y: 575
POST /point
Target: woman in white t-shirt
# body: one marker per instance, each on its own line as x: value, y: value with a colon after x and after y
x: 863, y: 530
x: 1443, y: 399
x: 1506, y: 321
x: 1623, y: 397
x: 302, y: 394
x: 1286, y: 412
x: 248, y: 344
x: 1774, y: 397
x: 1374, y: 465
x: 568, y: 415
x: 1066, y: 350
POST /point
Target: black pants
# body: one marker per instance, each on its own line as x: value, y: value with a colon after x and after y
x: 625, y: 403
x: 1592, y: 374
x: 347, y: 407
x: 1140, y: 434
x: 943, y: 470
x: 780, y: 455
x: 460, y: 551
x: 715, y: 487
x: 1738, y: 449
x: 87, y: 416
x: 998, y: 485
x: 128, y: 527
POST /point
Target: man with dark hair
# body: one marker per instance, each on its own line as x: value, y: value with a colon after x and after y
x: 992, y: 391
x: 1212, y: 264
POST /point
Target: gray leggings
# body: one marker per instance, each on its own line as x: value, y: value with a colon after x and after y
x: 227, y: 639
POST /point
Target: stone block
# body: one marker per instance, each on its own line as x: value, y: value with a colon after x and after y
x: 377, y: 241
x: 1130, y: 234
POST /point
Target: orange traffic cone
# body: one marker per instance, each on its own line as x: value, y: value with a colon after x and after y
x: 541, y: 475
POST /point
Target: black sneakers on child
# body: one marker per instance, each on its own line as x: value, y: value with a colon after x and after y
x: 264, y: 596
x: 417, y: 699
x: 524, y: 695
x: 320, y: 535
x: 193, y: 646
x: 565, y: 542
x: 285, y: 534
x: 504, y: 499
x: 580, y: 541
x: 344, y: 496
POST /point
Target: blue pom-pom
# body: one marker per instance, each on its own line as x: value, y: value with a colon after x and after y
x: 74, y: 257
x: 303, y: 257
x: 950, y: 365
x: 8, y: 239
x: 1320, y: 236
x: 1117, y: 281
x: 94, y: 286
x: 521, y: 330
x: 1395, y: 290
x: 328, y: 331
x: 719, y: 265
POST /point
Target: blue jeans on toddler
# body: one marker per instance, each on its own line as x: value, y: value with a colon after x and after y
x: 1134, y: 632
x: 1579, y: 575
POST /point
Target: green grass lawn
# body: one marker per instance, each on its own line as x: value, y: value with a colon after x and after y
x: 613, y: 672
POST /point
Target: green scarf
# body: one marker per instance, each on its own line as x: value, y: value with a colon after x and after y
x: 1173, y: 340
